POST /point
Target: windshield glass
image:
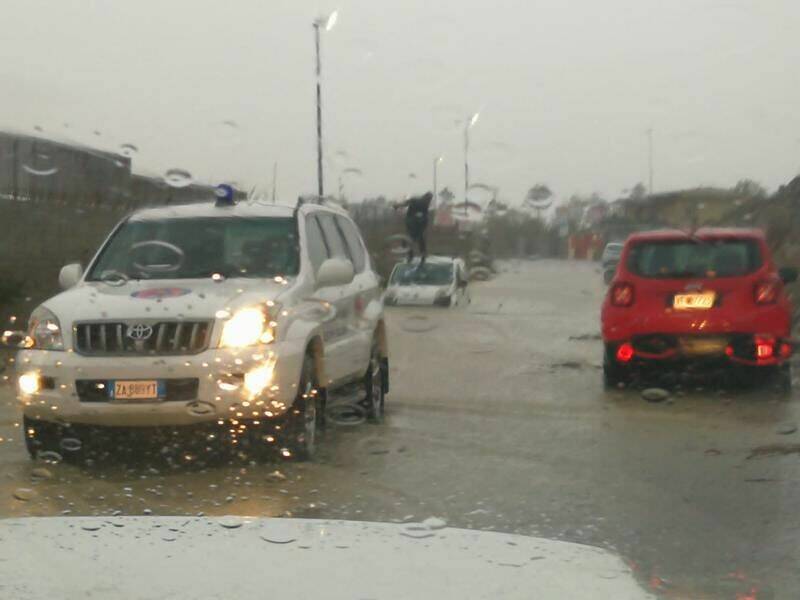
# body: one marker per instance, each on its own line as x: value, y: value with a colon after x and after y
x: 686, y: 259
x: 427, y: 274
x: 192, y: 248
x: 212, y: 216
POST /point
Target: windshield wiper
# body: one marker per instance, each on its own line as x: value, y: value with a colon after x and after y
x: 691, y: 235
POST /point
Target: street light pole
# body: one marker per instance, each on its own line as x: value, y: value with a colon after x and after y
x: 470, y: 122
x: 327, y: 22
x: 436, y: 162
x: 466, y: 166
x: 650, y: 158
x: 320, y: 185
x: 274, y: 179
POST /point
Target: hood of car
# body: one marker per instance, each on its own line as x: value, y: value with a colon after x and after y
x: 234, y: 557
x: 180, y: 298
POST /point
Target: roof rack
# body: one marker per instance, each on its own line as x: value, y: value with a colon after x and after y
x: 310, y: 199
x: 318, y: 200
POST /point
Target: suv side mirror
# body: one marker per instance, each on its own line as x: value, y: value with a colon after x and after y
x: 462, y: 283
x: 70, y: 275
x: 787, y: 274
x: 335, y: 271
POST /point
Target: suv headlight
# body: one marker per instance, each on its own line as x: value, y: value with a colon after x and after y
x: 248, y: 327
x: 45, y: 330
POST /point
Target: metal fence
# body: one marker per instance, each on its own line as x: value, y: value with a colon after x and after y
x: 57, y: 204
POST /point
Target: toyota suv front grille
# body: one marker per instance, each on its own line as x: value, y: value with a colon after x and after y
x: 115, y: 338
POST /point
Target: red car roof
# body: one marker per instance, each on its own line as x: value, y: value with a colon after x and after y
x: 702, y: 233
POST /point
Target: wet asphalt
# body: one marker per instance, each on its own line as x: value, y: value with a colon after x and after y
x: 497, y: 419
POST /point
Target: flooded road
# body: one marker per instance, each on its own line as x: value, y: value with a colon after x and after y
x: 497, y: 419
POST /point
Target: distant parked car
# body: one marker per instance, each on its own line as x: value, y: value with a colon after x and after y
x: 611, y: 253
x: 610, y: 259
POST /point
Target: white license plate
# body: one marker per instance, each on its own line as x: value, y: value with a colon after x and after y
x: 702, y: 346
x: 700, y: 300
x: 136, y: 390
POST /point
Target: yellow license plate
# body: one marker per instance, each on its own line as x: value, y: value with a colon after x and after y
x: 700, y: 300
x: 136, y: 390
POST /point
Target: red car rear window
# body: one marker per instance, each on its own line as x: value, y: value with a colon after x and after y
x: 679, y: 259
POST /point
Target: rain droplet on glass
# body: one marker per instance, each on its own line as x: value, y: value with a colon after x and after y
x: 230, y: 522
x: 24, y: 494
x: 128, y: 150
x: 178, y: 178
x: 49, y: 457
x: 71, y: 444
x: 40, y: 165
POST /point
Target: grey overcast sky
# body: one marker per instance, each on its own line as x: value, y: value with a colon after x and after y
x: 566, y: 89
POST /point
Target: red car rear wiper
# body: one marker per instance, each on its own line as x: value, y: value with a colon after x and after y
x: 679, y: 275
x: 691, y: 235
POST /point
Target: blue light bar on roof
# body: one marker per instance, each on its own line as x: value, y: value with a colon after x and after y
x: 224, y: 194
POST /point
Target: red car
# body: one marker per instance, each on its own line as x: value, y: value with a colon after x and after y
x: 688, y: 300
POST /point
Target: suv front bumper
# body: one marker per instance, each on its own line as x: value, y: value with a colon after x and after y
x: 219, y: 392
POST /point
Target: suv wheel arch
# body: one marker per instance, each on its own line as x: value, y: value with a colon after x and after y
x: 317, y: 352
x: 380, y: 335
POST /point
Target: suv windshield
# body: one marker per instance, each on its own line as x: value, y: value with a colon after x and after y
x: 684, y: 259
x: 198, y: 248
x: 427, y: 274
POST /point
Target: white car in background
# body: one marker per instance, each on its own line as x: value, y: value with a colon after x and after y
x: 439, y: 281
x: 610, y: 259
x: 241, y: 314
x: 611, y: 254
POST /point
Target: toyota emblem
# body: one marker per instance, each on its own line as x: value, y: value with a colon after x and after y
x: 139, y: 331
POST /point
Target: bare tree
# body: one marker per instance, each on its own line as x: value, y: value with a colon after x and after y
x: 750, y: 189
x: 638, y: 191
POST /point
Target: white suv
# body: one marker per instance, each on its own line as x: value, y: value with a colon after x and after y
x: 242, y: 314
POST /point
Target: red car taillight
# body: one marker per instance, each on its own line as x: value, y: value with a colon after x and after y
x: 765, y: 347
x: 621, y: 294
x: 625, y: 352
x: 766, y: 292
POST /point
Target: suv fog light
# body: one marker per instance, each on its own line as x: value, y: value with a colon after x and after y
x: 29, y: 383
x: 256, y: 380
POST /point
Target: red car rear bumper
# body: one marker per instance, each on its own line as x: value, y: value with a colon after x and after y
x: 624, y: 323
x: 760, y: 337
